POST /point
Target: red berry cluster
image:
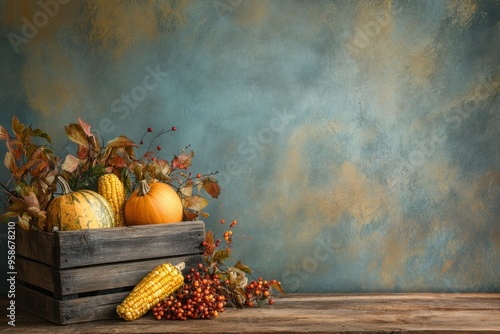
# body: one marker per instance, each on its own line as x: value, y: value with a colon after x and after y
x: 200, y: 298
x: 258, y: 292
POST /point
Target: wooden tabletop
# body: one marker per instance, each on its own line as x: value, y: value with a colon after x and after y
x: 309, y: 313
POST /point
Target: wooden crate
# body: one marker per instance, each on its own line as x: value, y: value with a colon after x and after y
x: 77, y: 276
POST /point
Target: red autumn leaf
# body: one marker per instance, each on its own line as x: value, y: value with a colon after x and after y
x: 76, y: 134
x: 82, y: 151
x: 211, y: 186
x: 4, y: 135
x: 183, y: 161
x: 190, y: 215
x: 117, y: 161
x: 121, y: 141
x: 16, y: 148
x: 85, y: 127
x: 70, y: 163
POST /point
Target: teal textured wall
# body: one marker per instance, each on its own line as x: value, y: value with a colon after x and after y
x: 357, y: 141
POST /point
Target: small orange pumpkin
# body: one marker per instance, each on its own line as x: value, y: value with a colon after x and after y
x: 155, y: 203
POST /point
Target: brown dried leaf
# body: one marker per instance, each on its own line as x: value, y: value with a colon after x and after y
x: 121, y: 141
x: 277, y: 285
x: 243, y: 267
x: 10, y: 162
x: 221, y: 255
x: 76, y: 134
x: 82, y: 151
x: 17, y: 127
x: 4, y: 135
x: 31, y: 203
x: 117, y: 161
x: 16, y: 147
x: 70, y: 163
x: 190, y: 215
x: 211, y: 186
x: 187, y: 190
x: 209, y: 238
x: 23, y: 220
x: 183, y: 161
x: 196, y: 202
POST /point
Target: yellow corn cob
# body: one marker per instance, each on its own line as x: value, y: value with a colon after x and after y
x: 160, y: 283
x: 111, y: 188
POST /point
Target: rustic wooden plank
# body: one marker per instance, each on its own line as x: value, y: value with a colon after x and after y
x: 35, y: 245
x: 90, y: 247
x: 85, y: 279
x: 117, y: 275
x: 69, y: 311
x: 313, y: 313
x: 38, y: 274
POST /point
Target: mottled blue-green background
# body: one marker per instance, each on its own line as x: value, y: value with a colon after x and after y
x: 357, y: 141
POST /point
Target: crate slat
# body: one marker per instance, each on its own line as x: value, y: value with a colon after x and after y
x: 64, y: 312
x: 66, y: 249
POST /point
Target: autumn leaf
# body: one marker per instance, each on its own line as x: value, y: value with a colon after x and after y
x: 196, y: 202
x: 277, y: 285
x: 243, y: 267
x: 76, y: 134
x: 190, y: 215
x: 10, y: 162
x: 40, y: 133
x: 117, y: 161
x: 4, y: 135
x: 121, y: 141
x: 82, y: 151
x: 17, y: 127
x: 85, y: 127
x: 183, y: 161
x: 187, y: 190
x: 209, y: 238
x: 211, y: 186
x: 31, y: 203
x: 164, y: 166
x: 220, y: 256
x: 70, y: 163
x: 16, y: 148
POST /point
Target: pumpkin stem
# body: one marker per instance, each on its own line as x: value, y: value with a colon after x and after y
x: 143, y: 188
x: 64, y: 184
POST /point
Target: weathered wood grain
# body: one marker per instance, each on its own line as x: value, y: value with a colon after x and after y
x: 91, y: 278
x: 67, y: 249
x: 313, y: 313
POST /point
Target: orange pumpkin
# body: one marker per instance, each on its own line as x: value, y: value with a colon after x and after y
x: 155, y: 203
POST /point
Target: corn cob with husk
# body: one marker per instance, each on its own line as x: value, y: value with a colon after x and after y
x: 159, y: 284
x: 111, y: 188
